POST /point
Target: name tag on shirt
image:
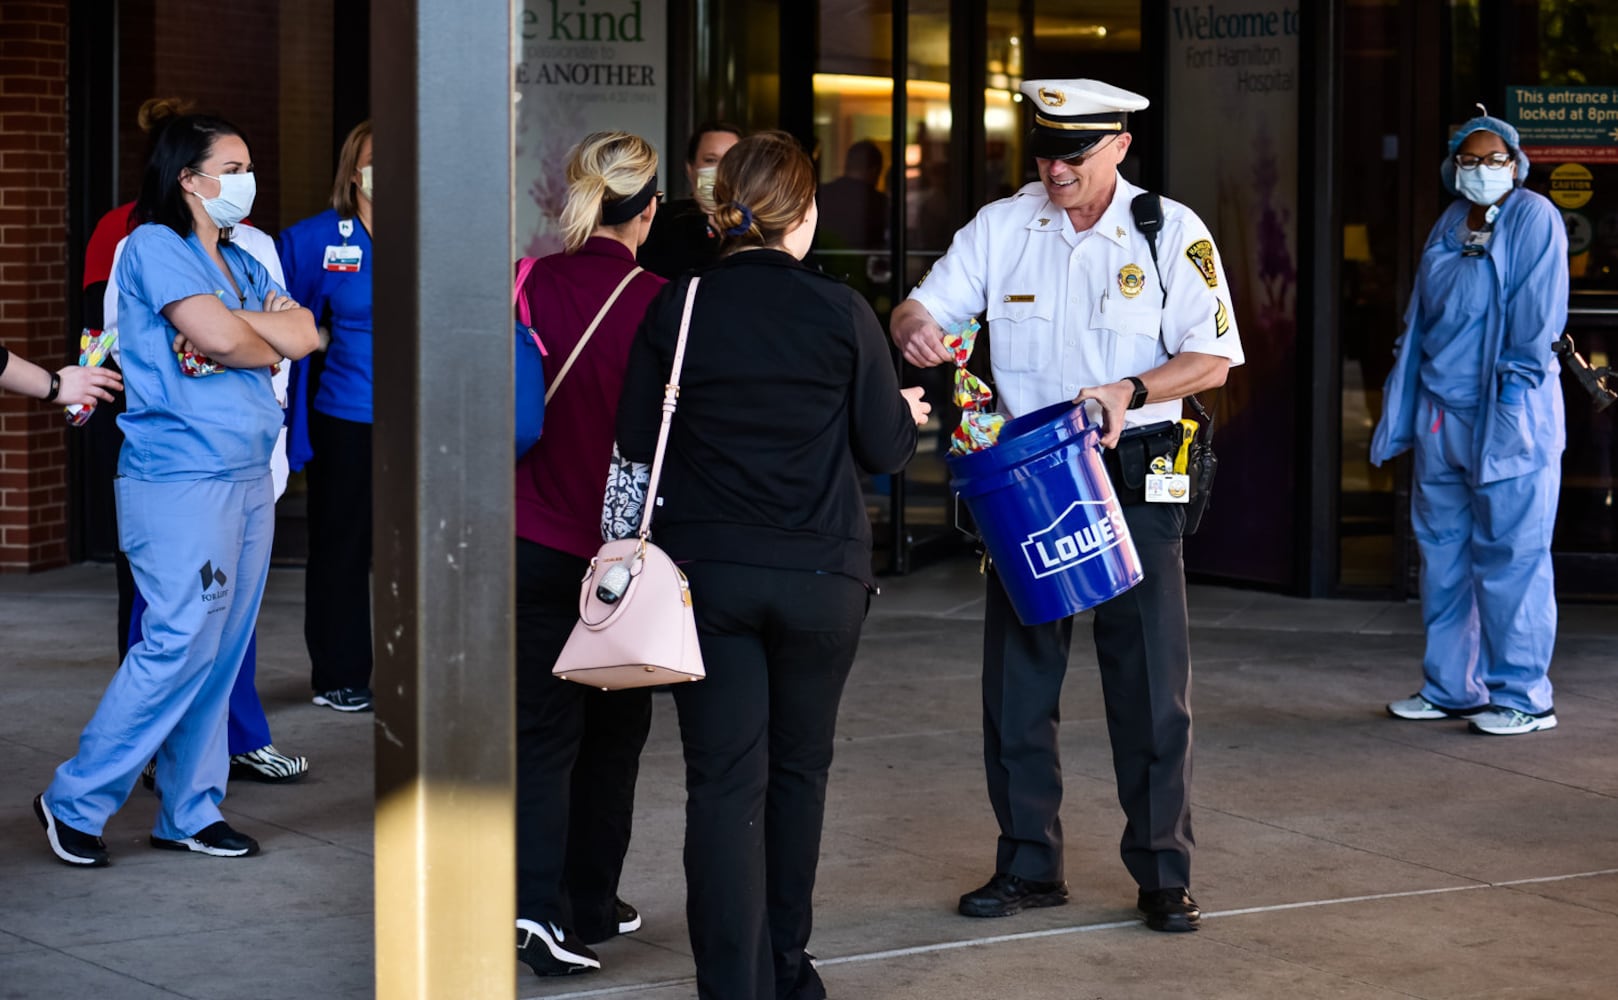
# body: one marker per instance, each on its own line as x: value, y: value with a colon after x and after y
x: 343, y: 258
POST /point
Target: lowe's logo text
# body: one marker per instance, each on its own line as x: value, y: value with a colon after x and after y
x: 1085, y: 530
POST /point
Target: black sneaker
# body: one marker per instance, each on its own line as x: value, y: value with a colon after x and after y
x: 148, y: 776
x: 74, y: 848
x: 628, y: 918
x: 269, y: 765
x: 217, y: 839
x: 552, y: 951
x: 1006, y: 894
x: 625, y: 920
x: 346, y: 699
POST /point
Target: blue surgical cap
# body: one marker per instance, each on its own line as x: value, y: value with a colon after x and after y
x: 1484, y: 123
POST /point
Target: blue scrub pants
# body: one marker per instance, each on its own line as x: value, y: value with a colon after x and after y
x: 247, y: 729
x: 1487, y: 595
x: 200, y: 552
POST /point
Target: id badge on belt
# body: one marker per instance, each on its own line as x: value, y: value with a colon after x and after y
x: 1168, y: 487
x: 1168, y: 482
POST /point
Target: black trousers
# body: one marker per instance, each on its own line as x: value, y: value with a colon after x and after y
x: 778, y: 646
x: 337, y: 584
x: 1143, y: 650
x: 578, y: 754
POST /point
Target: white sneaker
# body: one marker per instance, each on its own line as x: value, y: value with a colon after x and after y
x: 1494, y: 721
x: 1419, y: 708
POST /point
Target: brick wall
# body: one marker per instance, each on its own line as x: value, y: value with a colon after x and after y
x: 33, y: 274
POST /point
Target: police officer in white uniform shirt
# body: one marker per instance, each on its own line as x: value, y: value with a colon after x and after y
x: 1078, y: 310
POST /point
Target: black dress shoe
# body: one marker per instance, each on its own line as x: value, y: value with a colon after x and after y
x: 1006, y: 894
x: 1171, y: 910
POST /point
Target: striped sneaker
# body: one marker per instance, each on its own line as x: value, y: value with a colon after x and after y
x: 269, y: 765
x: 1495, y: 721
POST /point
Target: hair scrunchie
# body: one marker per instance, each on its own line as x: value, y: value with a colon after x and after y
x: 747, y: 220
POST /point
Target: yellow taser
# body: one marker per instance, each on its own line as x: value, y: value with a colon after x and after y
x: 1188, y: 429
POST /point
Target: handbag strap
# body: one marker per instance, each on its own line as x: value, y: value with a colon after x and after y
x: 568, y: 364
x: 671, y: 398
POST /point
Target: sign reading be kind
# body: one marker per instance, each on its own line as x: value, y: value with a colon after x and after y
x: 583, y: 66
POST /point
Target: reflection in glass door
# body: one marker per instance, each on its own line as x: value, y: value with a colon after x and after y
x: 1373, y: 248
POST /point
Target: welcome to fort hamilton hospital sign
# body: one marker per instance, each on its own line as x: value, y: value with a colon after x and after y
x: 581, y: 66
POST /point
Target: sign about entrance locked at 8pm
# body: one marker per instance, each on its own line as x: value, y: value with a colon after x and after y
x: 1571, y: 137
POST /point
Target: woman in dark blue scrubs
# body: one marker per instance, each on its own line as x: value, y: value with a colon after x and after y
x: 328, y: 267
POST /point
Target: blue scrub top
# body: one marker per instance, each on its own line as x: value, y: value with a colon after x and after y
x: 1456, y: 293
x: 341, y: 302
x: 178, y: 427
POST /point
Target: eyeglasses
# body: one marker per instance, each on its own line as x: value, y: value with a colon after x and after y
x: 1080, y: 159
x: 1494, y: 161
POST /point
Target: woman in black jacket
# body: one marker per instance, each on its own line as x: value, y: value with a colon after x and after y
x: 788, y: 395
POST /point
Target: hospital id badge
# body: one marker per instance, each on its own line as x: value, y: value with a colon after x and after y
x: 345, y: 258
x: 1168, y: 487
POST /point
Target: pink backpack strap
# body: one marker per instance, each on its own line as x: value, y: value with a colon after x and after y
x: 525, y: 266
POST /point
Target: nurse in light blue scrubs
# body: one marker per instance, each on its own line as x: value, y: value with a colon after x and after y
x: 1475, y: 392
x: 201, y: 326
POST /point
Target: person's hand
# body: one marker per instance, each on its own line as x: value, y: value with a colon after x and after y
x: 82, y: 386
x: 182, y: 345
x: 922, y: 344
x: 1114, y: 399
x: 276, y: 302
x: 919, y: 408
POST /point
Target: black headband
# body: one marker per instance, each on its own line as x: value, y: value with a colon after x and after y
x: 616, y: 213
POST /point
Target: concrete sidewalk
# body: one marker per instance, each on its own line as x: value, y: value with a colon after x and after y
x: 1341, y: 853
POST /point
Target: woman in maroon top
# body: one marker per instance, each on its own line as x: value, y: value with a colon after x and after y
x: 578, y: 749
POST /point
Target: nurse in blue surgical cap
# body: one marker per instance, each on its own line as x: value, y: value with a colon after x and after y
x: 1474, y: 391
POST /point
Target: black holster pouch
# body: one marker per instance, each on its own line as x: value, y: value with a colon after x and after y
x: 1139, y: 448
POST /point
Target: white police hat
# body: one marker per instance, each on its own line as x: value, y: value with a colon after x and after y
x: 1070, y: 116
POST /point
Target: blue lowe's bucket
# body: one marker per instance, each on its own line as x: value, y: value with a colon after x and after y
x: 1047, y: 512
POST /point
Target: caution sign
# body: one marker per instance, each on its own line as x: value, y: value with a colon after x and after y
x: 1571, y: 185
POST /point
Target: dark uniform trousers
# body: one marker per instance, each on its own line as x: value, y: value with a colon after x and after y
x: 778, y: 645
x: 1143, y: 650
x: 337, y: 583
x: 578, y: 755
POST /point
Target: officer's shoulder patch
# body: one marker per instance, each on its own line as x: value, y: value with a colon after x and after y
x: 1221, y: 319
x: 1201, y: 254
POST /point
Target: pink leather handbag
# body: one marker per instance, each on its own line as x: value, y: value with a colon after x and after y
x: 636, y: 626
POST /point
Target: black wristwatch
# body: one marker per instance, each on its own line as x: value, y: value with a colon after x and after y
x: 56, y: 387
x: 1138, y: 400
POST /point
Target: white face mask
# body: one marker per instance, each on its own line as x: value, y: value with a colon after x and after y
x: 1483, y: 184
x: 235, y: 199
x: 703, y: 191
x: 365, y: 181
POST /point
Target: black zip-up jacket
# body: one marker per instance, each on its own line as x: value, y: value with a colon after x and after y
x: 788, y: 392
